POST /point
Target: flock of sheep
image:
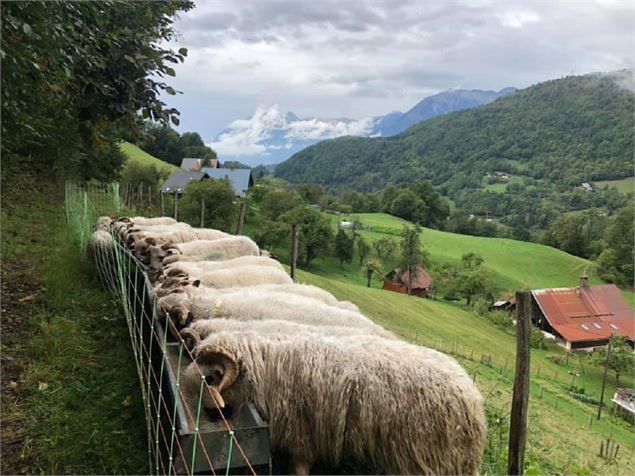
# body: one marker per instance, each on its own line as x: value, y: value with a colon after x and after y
x: 333, y: 386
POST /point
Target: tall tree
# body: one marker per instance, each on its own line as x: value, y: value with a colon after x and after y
x: 343, y: 248
x: 219, y: 209
x: 412, y: 254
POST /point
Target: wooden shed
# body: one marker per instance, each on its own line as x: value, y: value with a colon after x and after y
x: 397, y: 281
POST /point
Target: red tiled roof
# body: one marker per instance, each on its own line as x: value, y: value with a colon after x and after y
x: 421, y: 279
x: 587, y: 313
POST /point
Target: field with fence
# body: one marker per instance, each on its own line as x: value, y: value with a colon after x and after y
x: 564, y: 436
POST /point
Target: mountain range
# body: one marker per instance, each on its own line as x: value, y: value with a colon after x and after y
x: 271, y: 136
x: 566, y: 131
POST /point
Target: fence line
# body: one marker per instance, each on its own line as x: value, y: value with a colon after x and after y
x: 177, y: 442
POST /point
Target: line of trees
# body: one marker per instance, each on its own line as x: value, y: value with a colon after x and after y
x: 166, y: 144
x: 79, y: 76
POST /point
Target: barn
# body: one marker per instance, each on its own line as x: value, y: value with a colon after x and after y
x: 397, y: 281
x: 585, y: 316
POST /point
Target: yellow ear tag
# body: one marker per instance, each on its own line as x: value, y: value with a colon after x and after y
x: 217, y: 308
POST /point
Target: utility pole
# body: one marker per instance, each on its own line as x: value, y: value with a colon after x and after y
x: 606, y: 369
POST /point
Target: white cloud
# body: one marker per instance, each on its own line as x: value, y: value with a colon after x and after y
x: 270, y: 129
x: 518, y: 18
x: 365, y: 58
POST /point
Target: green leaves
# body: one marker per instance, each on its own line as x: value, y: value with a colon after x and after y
x: 76, y: 75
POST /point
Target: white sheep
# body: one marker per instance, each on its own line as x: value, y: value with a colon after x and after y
x: 194, y: 267
x: 197, y: 250
x: 200, y: 330
x: 100, y: 251
x: 143, y: 221
x: 239, y: 276
x: 306, y: 290
x: 393, y: 406
x: 247, y: 304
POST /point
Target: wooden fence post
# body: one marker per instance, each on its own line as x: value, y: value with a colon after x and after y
x: 520, y: 398
x: 203, y: 213
x: 162, y: 204
x: 241, y: 218
x: 176, y: 201
x: 294, y: 249
x: 606, y: 369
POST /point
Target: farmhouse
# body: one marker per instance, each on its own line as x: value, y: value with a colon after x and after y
x: 585, y: 316
x: 195, y: 165
x: 585, y: 186
x: 241, y: 180
x: 397, y: 281
x: 501, y: 175
x: 178, y: 181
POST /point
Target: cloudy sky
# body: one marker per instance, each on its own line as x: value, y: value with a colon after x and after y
x: 362, y: 58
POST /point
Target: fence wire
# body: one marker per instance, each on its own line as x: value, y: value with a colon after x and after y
x: 177, y: 443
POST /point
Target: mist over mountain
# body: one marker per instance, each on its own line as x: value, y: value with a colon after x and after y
x: 271, y: 136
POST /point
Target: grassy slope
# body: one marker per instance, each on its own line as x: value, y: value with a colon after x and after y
x: 135, y: 154
x: 626, y: 185
x: 559, y: 438
x: 514, y: 264
x: 74, y: 406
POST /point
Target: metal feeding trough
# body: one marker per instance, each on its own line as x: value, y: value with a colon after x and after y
x: 196, y: 452
x: 251, y: 432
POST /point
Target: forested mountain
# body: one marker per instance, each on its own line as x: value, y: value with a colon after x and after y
x: 271, y: 136
x: 565, y: 131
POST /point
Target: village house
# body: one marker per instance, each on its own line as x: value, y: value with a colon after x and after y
x: 241, y: 180
x: 397, y: 281
x: 585, y: 316
x: 195, y: 165
x: 501, y: 175
x: 179, y: 181
x: 585, y: 186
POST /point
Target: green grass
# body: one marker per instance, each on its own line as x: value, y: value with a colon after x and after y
x: 135, y: 154
x: 625, y: 186
x: 559, y: 438
x: 76, y: 407
x: 514, y: 264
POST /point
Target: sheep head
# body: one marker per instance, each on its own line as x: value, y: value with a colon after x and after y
x: 181, y: 316
x: 176, y: 273
x: 220, y: 369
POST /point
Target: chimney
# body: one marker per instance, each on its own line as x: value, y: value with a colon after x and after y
x: 584, y: 281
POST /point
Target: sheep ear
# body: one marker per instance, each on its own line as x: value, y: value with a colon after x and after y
x: 196, y: 283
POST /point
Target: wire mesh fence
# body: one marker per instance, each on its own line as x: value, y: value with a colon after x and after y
x: 183, y: 437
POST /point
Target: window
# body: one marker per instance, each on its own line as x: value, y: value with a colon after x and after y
x: 613, y: 326
x: 584, y: 326
x: 597, y: 326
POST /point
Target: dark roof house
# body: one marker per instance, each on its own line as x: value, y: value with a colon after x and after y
x: 397, y: 281
x: 196, y: 164
x: 585, y: 316
x: 178, y: 181
x: 241, y: 180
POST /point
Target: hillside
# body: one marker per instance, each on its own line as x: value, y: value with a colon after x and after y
x: 135, y: 154
x: 560, y: 439
x: 563, y: 131
x: 513, y: 264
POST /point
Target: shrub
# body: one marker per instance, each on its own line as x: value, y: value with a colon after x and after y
x: 537, y: 339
